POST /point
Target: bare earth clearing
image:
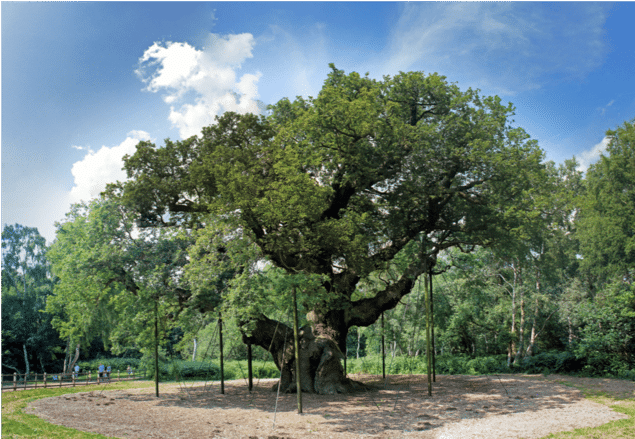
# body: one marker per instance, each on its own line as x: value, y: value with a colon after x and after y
x: 505, y: 406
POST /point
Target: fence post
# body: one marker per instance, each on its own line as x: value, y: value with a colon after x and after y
x: 44, y: 380
x: 36, y: 380
x: 98, y: 378
x: 118, y: 375
x: 88, y: 380
x: 61, y: 378
x: 26, y: 377
x: 73, y: 378
x: 15, y: 381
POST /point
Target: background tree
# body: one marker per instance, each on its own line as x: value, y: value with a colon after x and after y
x: 606, y: 231
x: 27, y: 336
x: 112, y: 274
x: 340, y: 187
x: 607, y: 216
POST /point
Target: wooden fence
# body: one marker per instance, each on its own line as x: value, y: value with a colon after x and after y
x: 20, y: 381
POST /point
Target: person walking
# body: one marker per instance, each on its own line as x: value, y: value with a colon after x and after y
x: 76, y: 371
x: 101, y: 371
x: 108, y: 373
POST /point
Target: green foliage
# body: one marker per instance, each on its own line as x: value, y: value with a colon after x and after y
x: 338, y: 189
x: 394, y: 365
x: 607, y: 216
x: 26, y: 285
x: 607, y: 333
x: 553, y: 362
x: 111, y: 275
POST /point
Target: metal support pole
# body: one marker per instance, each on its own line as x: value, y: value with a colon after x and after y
x: 428, y: 341
x: 250, y: 371
x: 156, y: 347
x: 222, y: 364
x: 383, y: 349
x: 296, y: 345
x: 434, y: 354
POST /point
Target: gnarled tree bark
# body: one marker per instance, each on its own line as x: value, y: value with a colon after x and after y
x: 323, y: 341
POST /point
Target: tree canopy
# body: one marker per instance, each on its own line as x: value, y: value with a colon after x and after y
x: 369, y: 177
x: 340, y: 184
x: 607, y: 214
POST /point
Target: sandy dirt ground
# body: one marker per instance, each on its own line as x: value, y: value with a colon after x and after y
x: 503, y: 406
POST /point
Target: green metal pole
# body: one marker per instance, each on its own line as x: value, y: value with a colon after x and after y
x: 156, y: 347
x: 250, y: 371
x: 428, y: 341
x: 434, y: 355
x: 222, y: 364
x: 296, y: 345
x: 383, y: 349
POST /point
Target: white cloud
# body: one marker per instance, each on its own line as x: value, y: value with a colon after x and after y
x: 588, y: 157
x: 97, y: 169
x: 507, y: 47
x: 206, y: 78
x: 606, y: 107
x: 81, y: 148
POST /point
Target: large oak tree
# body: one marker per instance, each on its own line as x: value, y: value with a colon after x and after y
x: 342, y: 186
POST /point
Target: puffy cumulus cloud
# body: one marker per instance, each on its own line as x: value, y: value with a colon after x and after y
x: 97, y: 169
x: 206, y: 78
x: 505, y: 47
x: 588, y: 157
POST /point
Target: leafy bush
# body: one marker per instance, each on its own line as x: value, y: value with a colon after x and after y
x: 186, y: 370
x: 466, y: 365
x: 394, y: 366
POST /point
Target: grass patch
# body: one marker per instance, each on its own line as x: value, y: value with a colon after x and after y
x: 622, y: 429
x: 18, y: 424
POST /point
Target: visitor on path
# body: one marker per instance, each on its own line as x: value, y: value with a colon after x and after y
x: 76, y: 371
x: 108, y: 373
x: 101, y: 371
x: 129, y: 370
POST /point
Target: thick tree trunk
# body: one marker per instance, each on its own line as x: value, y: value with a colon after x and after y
x: 67, y: 355
x: 320, y: 356
x: 68, y: 363
x: 323, y: 341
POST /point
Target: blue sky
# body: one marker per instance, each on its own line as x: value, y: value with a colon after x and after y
x: 82, y: 83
